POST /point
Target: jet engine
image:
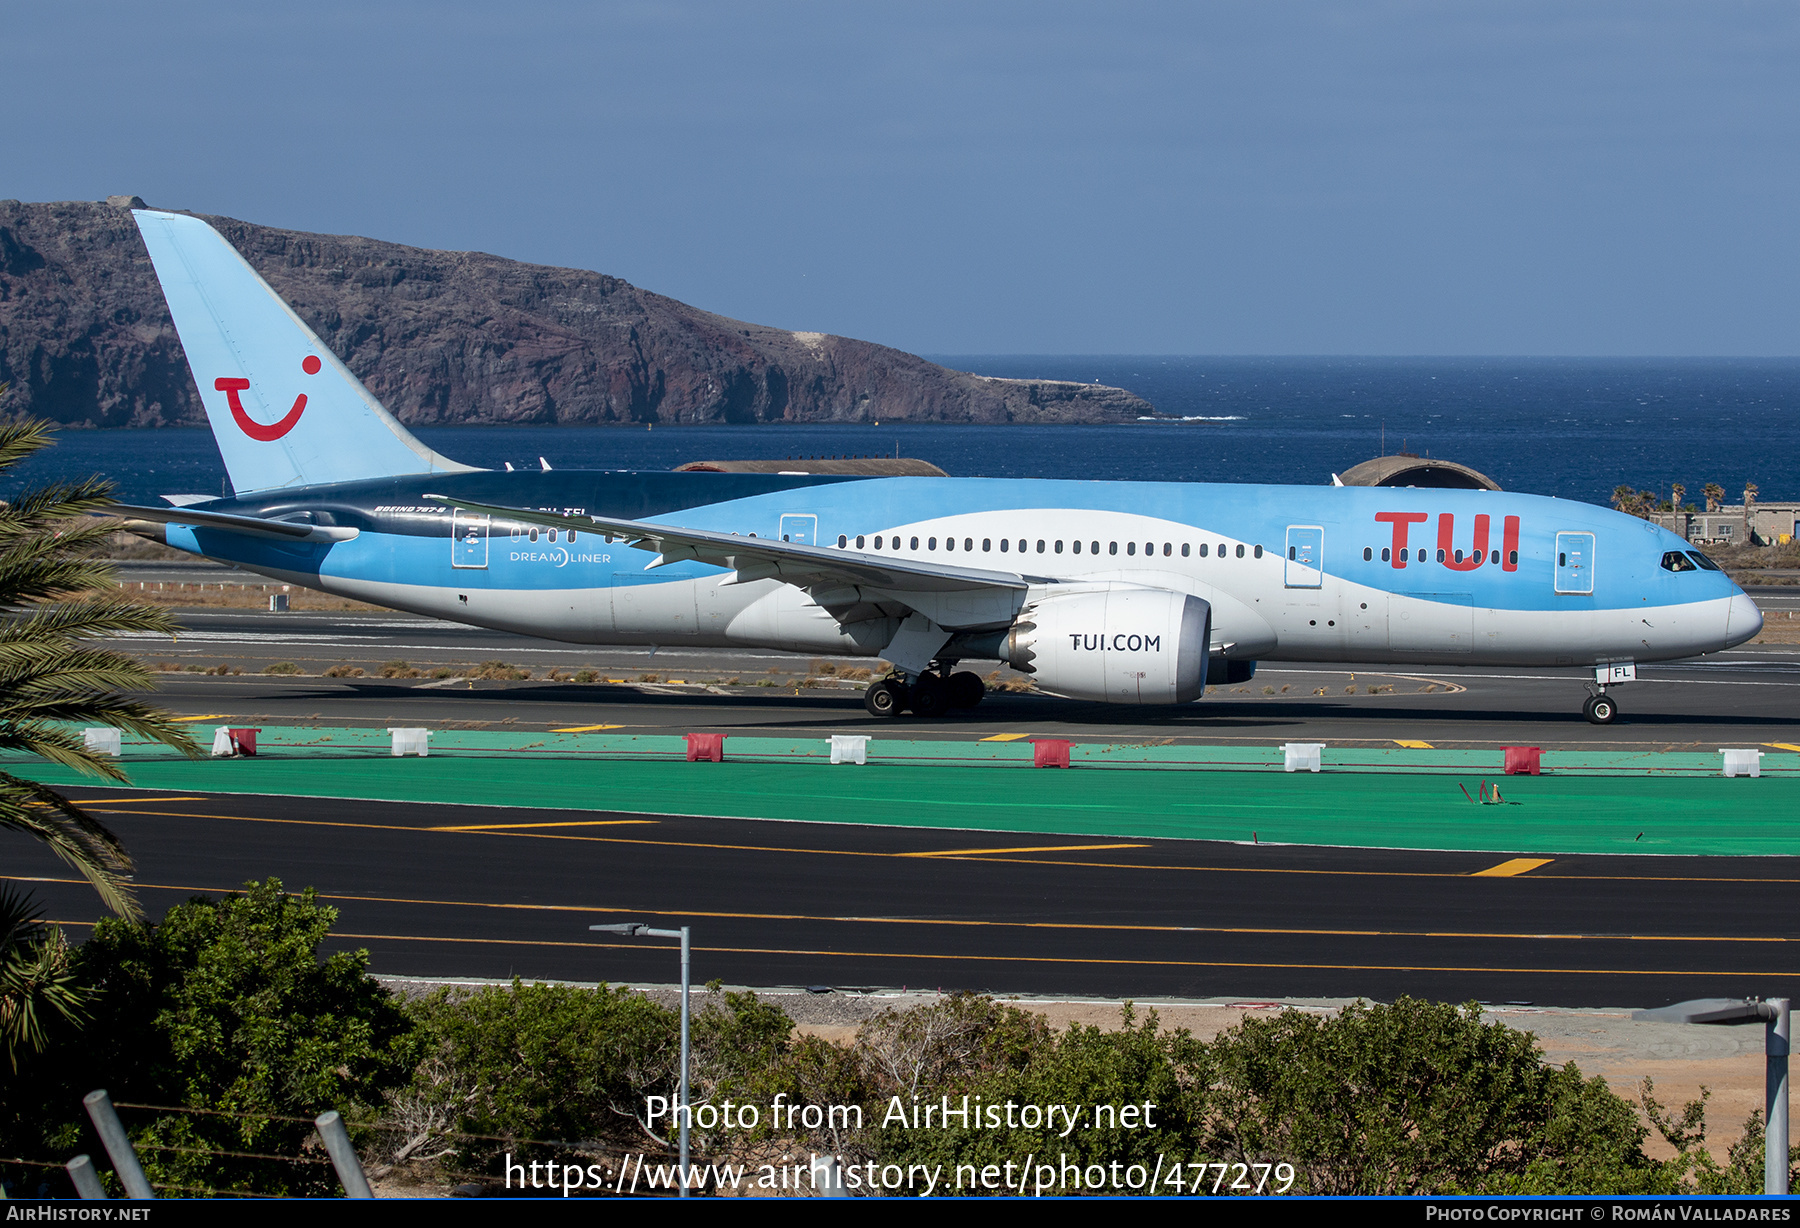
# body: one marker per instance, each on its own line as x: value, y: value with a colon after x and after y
x: 1118, y: 645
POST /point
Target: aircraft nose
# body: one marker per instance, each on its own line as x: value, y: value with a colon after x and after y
x: 1742, y: 620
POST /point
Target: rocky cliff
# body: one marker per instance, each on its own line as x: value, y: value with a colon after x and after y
x: 451, y: 338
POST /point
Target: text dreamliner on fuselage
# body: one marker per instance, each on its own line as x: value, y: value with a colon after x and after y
x: 1118, y: 592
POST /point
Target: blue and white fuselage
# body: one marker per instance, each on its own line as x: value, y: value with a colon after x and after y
x: 1118, y: 591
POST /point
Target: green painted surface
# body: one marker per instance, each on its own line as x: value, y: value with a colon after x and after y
x: 1557, y: 813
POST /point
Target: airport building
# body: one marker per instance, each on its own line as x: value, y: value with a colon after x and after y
x: 1768, y: 524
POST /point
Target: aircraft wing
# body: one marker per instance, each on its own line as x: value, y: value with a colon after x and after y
x: 762, y: 558
x: 256, y: 526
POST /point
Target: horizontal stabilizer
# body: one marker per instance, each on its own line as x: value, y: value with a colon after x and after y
x: 257, y: 526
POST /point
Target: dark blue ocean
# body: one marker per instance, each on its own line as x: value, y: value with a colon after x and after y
x: 1574, y: 428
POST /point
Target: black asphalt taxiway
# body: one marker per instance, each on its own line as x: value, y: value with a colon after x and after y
x: 463, y: 891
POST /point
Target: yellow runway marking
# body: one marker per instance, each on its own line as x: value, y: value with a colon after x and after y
x: 1047, y: 959
x: 586, y: 823
x: 120, y: 801
x: 1513, y: 868
x: 1783, y: 745
x: 954, y: 923
x: 830, y: 852
x: 1047, y: 848
x: 586, y: 728
x: 1413, y: 744
x: 1006, y: 737
x: 210, y: 716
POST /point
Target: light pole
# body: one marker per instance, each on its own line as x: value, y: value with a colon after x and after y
x: 1773, y: 1012
x: 634, y: 929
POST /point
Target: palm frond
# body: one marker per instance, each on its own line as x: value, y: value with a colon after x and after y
x: 72, y: 834
x: 35, y: 978
x: 51, y: 681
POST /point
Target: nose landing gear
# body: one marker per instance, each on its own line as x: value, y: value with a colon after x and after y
x: 1601, y: 708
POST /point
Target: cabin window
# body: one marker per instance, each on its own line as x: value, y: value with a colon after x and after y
x: 1293, y: 552
x: 533, y: 533
x: 1223, y: 549
x: 859, y: 541
x: 1258, y: 551
x: 1185, y: 547
x: 1075, y: 546
x: 1168, y: 549
x: 1562, y: 558
x: 1112, y: 547
x: 1495, y: 560
x: 1384, y: 554
x: 1130, y: 547
x: 968, y: 543
x: 1459, y: 556
x: 915, y: 543
x: 1040, y: 545
x: 1368, y: 554
x: 1440, y: 556
x: 949, y: 543
x: 571, y: 534
x: 1005, y: 544
x: 1240, y: 552
x: 987, y: 544
x: 1204, y: 549
x: 1093, y: 547
x: 1512, y: 556
x: 1022, y: 545
x: 1059, y: 547
x: 552, y: 534
x: 931, y: 543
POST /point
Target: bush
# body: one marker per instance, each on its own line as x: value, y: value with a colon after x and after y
x: 224, y: 1009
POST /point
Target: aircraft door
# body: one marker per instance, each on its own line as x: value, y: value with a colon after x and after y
x: 1305, y: 556
x: 1575, y: 563
x: 801, y: 530
x: 468, y: 540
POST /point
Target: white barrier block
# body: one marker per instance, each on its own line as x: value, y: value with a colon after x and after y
x: 103, y: 741
x: 222, y: 748
x: 411, y: 741
x: 1742, y: 762
x: 1302, y: 756
x: 850, y: 748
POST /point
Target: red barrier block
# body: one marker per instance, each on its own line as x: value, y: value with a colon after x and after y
x: 706, y: 746
x: 1051, y: 752
x: 243, y: 741
x: 1522, y: 760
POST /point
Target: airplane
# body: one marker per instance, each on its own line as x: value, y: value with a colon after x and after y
x: 1114, y: 592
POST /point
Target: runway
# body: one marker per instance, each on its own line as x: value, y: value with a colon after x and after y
x: 476, y: 891
x: 438, y: 890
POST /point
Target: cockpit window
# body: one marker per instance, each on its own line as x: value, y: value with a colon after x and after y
x: 1675, y: 560
x: 1701, y: 559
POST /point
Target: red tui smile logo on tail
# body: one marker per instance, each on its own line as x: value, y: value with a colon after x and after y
x: 249, y: 425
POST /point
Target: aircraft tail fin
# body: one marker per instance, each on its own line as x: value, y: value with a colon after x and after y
x: 284, y: 411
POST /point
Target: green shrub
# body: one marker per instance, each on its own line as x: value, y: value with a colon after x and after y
x: 224, y: 1007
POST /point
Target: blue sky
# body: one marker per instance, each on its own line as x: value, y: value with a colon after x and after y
x: 1195, y: 178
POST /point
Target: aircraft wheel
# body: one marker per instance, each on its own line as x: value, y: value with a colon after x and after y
x: 1600, y: 709
x: 886, y: 699
x: 930, y: 697
x: 966, y: 689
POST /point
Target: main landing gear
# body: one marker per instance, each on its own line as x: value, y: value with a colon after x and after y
x: 929, y: 695
x: 1601, y: 708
